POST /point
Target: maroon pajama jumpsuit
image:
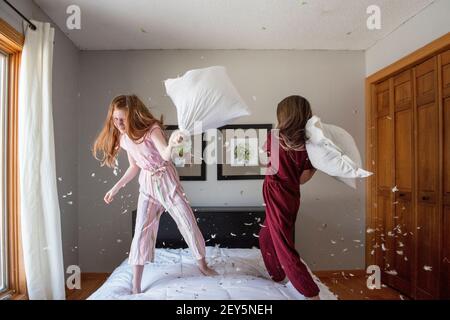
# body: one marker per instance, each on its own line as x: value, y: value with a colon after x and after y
x: 281, y: 194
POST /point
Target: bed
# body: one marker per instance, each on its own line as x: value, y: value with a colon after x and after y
x: 232, y: 250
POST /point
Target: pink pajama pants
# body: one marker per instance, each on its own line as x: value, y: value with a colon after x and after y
x: 159, y: 192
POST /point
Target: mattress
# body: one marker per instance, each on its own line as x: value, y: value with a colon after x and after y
x: 174, y: 276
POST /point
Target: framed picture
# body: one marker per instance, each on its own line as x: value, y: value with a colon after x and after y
x: 240, y: 149
x: 188, y: 158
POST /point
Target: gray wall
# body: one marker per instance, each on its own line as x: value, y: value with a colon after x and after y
x: 66, y: 62
x: 333, y: 81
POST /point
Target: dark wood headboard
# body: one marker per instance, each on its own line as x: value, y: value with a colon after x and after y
x: 229, y: 227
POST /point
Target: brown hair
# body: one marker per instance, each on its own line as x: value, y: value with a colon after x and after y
x: 293, y: 113
x: 139, y: 120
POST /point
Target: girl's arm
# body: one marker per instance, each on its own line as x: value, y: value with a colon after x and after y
x: 164, y: 149
x: 307, y: 175
x: 131, y: 172
x: 308, y: 170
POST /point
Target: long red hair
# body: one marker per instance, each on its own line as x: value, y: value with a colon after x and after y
x: 139, y: 120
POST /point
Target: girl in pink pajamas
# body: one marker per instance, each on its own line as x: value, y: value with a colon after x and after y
x: 130, y: 126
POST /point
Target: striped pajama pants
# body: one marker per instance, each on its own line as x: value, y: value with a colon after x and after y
x: 162, y: 191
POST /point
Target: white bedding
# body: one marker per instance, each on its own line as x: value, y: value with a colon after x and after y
x: 175, y: 276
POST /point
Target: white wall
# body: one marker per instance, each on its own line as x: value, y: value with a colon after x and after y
x: 332, y: 81
x: 428, y: 25
x: 65, y: 103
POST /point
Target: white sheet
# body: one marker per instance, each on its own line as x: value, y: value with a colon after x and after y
x: 175, y: 276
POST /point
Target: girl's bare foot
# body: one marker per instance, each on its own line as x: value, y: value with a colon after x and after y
x: 136, y: 290
x: 207, y: 271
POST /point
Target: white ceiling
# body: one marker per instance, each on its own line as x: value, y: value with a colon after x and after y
x: 229, y: 24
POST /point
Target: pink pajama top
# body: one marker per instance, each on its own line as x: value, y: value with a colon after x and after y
x: 147, y: 158
x: 145, y: 153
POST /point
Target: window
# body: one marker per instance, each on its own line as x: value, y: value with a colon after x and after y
x: 12, y: 274
x: 3, y: 177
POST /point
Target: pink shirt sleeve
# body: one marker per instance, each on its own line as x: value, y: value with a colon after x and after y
x: 155, y: 127
x: 122, y: 142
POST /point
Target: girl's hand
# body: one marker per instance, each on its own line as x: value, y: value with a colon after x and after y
x: 165, y: 147
x: 176, y: 139
x: 109, y: 196
x: 307, y: 175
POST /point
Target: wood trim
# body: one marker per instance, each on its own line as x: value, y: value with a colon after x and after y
x: 369, y: 181
x: 388, y: 225
x: 11, y: 42
x: 415, y: 191
x: 440, y: 193
x: 17, y: 281
x: 433, y: 48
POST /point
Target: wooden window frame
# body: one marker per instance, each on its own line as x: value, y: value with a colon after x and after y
x: 11, y: 42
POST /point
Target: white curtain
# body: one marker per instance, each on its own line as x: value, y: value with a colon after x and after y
x: 40, y: 214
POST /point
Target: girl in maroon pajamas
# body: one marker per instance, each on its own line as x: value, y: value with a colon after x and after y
x: 281, y: 194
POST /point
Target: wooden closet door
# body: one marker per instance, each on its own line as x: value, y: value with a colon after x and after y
x: 445, y: 270
x: 427, y: 157
x: 384, y: 177
x: 445, y: 279
x: 400, y: 239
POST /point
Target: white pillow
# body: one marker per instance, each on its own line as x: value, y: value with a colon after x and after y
x: 333, y: 150
x: 205, y: 95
